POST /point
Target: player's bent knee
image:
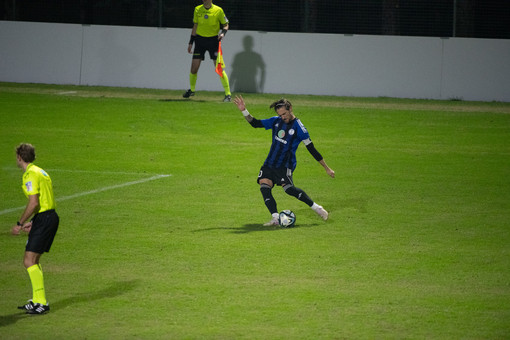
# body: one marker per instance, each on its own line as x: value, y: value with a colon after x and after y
x: 291, y: 190
x: 265, y: 185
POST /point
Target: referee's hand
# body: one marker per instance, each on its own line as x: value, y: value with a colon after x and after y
x: 27, y: 227
x: 15, y: 230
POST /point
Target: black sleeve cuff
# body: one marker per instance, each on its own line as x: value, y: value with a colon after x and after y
x: 316, y: 154
x: 256, y: 123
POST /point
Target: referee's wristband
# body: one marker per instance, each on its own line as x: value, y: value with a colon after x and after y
x: 19, y: 224
x: 224, y: 31
x: 245, y: 113
x: 191, y: 39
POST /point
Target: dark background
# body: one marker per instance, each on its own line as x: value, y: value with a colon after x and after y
x: 433, y: 18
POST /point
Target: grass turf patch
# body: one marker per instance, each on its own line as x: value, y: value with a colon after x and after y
x: 416, y: 245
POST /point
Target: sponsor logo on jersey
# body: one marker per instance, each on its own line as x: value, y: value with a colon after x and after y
x: 291, y: 132
x: 206, y: 16
x: 281, y: 135
x: 280, y: 140
x: 29, y: 186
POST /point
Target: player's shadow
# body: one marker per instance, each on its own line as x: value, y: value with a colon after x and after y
x: 182, y: 100
x: 250, y: 228
x: 115, y: 289
x: 248, y: 69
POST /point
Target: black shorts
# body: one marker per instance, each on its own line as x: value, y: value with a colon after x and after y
x: 44, y: 228
x: 203, y: 44
x: 279, y: 176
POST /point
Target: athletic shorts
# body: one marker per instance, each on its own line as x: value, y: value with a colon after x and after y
x: 44, y: 228
x: 279, y: 176
x: 203, y: 44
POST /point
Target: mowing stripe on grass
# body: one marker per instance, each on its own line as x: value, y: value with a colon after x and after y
x: 85, y: 193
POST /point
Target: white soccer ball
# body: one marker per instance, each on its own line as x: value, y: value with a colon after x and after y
x: 287, y: 219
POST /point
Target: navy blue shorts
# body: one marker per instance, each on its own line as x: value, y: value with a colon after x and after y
x: 44, y: 229
x: 279, y: 176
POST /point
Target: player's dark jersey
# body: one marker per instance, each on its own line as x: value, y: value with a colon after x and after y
x: 286, y: 139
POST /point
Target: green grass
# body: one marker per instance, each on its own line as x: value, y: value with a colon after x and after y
x: 417, y: 245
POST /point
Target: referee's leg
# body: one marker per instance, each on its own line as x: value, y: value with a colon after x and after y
x: 36, y: 277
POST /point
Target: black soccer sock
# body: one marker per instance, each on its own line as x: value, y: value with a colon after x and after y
x: 268, y: 198
x: 298, y: 193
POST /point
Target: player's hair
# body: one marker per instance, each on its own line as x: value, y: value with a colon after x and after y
x: 281, y: 103
x: 26, y: 151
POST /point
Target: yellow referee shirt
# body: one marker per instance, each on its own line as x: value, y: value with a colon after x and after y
x: 37, y: 181
x: 208, y: 20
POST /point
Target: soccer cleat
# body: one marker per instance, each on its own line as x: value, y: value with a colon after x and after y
x: 274, y: 221
x: 38, y: 308
x: 28, y: 306
x: 322, y: 213
x: 227, y: 99
x: 188, y: 94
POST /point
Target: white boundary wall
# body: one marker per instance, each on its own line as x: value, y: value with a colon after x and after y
x: 296, y: 63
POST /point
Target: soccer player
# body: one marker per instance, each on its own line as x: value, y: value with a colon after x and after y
x: 287, y: 133
x: 41, y: 228
x: 206, y: 34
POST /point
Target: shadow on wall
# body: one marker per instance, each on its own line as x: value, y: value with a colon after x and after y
x: 248, y: 69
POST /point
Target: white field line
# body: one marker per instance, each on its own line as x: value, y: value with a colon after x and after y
x: 96, y: 172
x: 85, y: 193
x: 81, y: 171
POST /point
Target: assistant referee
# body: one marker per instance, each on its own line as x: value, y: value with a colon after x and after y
x: 42, y: 227
x: 208, y: 19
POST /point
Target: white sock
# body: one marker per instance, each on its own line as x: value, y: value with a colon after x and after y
x: 275, y: 215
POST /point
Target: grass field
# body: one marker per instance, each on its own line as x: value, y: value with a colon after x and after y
x: 161, y: 232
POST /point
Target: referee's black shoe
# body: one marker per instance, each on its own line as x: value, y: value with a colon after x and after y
x: 28, y: 306
x: 188, y: 94
x: 39, y: 308
x: 35, y: 308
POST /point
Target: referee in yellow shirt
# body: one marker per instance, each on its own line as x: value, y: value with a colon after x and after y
x: 42, y: 227
x: 208, y: 19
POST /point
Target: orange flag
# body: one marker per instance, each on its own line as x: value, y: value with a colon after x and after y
x: 220, y: 64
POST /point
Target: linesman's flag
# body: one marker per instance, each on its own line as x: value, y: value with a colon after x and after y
x: 220, y: 64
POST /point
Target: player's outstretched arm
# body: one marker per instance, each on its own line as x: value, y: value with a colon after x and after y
x: 318, y: 157
x: 329, y: 171
x: 239, y: 101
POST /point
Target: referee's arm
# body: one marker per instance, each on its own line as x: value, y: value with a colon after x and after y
x: 223, y: 31
x: 192, y: 38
